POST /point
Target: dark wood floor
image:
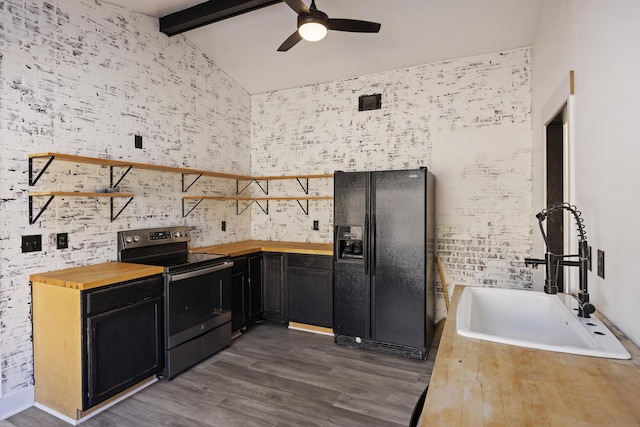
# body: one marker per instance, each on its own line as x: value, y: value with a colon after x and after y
x: 272, y: 375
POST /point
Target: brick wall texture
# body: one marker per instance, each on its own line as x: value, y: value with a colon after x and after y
x: 468, y: 120
x: 83, y: 77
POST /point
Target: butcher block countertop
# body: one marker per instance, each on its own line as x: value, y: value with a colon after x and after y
x: 93, y: 276
x: 252, y: 246
x: 482, y: 383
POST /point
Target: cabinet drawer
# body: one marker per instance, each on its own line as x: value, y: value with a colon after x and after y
x: 320, y: 262
x: 122, y: 294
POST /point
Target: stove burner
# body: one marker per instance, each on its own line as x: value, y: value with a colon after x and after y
x: 166, y: 247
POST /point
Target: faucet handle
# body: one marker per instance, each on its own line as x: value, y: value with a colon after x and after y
x: 534, y: 262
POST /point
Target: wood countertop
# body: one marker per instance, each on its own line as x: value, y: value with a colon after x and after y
x: 482, y: 383
x: 252, y: 246
x: 93, y: 276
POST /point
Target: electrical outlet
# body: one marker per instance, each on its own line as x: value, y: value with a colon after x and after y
x: 32, y: 243
x: 62, y: 240
x: 138, y: 141
x: 316, y: 225
x: 601, y: 263
x: 224, y: 225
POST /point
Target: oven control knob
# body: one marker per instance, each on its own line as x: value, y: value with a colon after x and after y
x: 128, y: 239
x: 136, y: 238
x: 177, y: 234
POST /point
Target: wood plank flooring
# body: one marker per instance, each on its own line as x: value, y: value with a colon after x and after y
x: 272, y: 376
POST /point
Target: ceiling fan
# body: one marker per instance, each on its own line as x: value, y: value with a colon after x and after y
x: 313, y: 24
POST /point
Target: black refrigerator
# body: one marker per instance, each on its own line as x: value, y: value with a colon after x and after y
x: 384, y: 242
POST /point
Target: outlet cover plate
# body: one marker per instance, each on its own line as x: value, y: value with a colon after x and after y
x: 32, y: 243
x: 62, y: 240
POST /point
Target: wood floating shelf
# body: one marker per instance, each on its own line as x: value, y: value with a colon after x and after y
x: 187, y: 183
x: 257, y: 198
x: 273, y: 178
x: 144, y: 166
x: 251, y: 200
x: 79, y: 194
x: 52, y: 194
x: 124, y: 164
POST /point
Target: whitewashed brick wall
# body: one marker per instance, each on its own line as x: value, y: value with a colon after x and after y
x: 83, y: 77
x: 468, y: 120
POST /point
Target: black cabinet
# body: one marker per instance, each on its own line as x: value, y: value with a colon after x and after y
x: 246, y: 291
x: 239, y: 293
x: 273, y: 279
x: 122, y: 335
x: 254, y: 278
x: 310, y: 288
x: 298, y: 288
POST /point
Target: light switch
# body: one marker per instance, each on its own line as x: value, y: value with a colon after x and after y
x: 601, y: 263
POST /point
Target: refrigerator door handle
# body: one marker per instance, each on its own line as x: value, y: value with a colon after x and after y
x: 365, y: 251
x: 373, y: 245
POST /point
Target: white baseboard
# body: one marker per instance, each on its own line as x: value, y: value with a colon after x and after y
x: 16, y: 402
x: 56, y: 414
x: 93, y: 412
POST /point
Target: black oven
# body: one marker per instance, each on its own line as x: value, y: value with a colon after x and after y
x: 196, y: 288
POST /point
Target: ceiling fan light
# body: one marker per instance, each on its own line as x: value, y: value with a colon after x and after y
x: 312, y: 31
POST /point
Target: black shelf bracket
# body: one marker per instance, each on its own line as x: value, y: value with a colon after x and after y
x: 238, y: 211
x: 265, y: 189
x: 32, y: 180
x: 305, y: 186
x: 113, y: 217
x: 185, y: 214
x: 111, y: 169
x: 33, y: 220
x: 306, y: 211
x: 185, y: 189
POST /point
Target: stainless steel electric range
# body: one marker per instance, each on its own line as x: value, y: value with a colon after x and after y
x: 195, y: 325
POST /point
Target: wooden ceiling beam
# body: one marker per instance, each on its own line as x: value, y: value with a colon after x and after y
x: 207, y: 13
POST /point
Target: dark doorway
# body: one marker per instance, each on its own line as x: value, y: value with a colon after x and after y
x: 555, y: 130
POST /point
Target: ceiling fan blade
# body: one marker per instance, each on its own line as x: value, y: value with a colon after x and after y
x: 353, y: 25
x: 299, y: 7
x: 290, y: 42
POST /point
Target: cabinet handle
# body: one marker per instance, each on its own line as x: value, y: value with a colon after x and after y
x: 190, y: 274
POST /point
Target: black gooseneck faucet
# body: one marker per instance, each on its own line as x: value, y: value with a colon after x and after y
x: 553, y: 261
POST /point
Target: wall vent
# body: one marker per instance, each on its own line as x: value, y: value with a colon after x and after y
x: 370, y: 102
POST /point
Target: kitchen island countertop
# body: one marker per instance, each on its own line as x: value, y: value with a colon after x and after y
x: 251, y: 246
x: 482, y: 383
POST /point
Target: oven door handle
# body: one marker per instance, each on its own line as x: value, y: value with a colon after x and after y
x: 190, y: 274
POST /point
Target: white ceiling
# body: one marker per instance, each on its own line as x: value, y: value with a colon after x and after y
x: 413, y: 32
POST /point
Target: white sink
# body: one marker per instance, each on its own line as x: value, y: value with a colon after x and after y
x: 535, y: 320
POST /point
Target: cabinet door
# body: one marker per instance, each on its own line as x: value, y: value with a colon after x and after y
x: 310, y: 296
x: 239, y: 293
x: 238, y: 303
x: 124, y: 346
x: 273, y: 279
x: 255, y: 288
